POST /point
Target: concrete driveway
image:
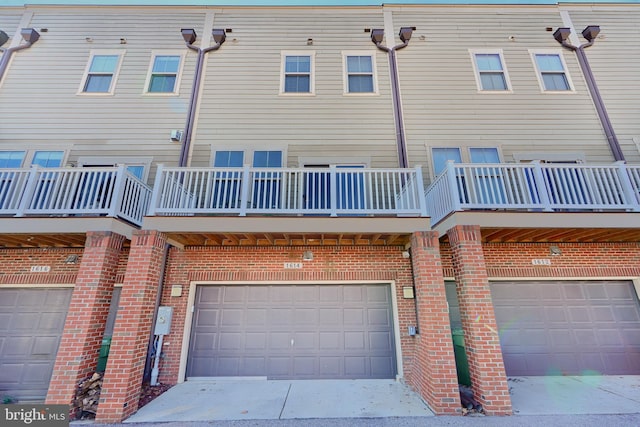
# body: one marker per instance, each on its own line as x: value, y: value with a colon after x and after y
x: 216, y: 399
x: 222, y: 399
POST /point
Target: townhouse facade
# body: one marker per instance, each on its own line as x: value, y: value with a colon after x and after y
x: 317, y: 192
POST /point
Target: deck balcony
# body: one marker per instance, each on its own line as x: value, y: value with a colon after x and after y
x: 535, y: 188
x: 111, y: 192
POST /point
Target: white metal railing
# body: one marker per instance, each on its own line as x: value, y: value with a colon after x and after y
x: 333, y: 191
x: 73, y: 191
x: 534, y: 186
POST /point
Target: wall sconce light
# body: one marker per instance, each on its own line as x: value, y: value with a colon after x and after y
x: 71, y: 259
x: 309, y: 41
x: 123, y: 40
x: 554, y: 250
x: 307, y: 256
x: 406, y: 254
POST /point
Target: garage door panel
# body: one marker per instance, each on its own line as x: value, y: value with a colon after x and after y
x: 305, y: 331
x: 51, y: 321
x: 18, y: 347
x: 210, y: 295
x: 47, y: 346
x: 581, y: 327
x: 25, y: 321
x: 207, y: 317
x: 11, y: 373
x: 234, y: 295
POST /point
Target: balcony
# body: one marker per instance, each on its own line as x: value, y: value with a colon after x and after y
x: 332, y: 192
x: 78, y: 192
x: 534, y: 187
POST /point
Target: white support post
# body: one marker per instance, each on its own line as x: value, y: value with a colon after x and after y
x: 627, y: 187
x: 333, y: 189
x: 118, y: 191
x: 541, y: 186
x: 244, y: 190
x: 422, y: 200
x: 29, y: 190
x: 158, y: 188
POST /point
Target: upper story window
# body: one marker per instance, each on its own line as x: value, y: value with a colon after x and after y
x: 11, y: 159
x: 17, y: 159
x: 552, y: 72
x: 48, y: 159
x: 101, y: 72
x: 491, y: 74
x: 440, y: 156
x: 297, y: 73
x: 267, y: 159
x: 360, y: 73
x: 164, y: 73
x: 228, y: 159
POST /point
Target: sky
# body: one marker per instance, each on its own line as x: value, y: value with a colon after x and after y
x: 294, y: 2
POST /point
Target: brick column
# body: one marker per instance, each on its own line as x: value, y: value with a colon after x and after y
x: 87, y: 316
x: 127, y: 356
x: 482, y: 343
x: 434, y: 369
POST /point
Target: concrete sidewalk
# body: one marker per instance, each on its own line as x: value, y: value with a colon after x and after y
x: 223, y: 399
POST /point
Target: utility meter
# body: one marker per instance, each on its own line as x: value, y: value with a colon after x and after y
x: 163, y: 321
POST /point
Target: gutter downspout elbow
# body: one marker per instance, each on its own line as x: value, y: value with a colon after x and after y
x: 6, y: 56
x: 397, y: 102
x: 596, y: 97
x: 193, y: 101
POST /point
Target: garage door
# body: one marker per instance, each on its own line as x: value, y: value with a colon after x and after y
x: 31, y: 324
x: 568, y: 328
x: 293, y: 332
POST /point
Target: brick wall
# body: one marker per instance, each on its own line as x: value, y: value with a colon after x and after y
x: 16, y: 265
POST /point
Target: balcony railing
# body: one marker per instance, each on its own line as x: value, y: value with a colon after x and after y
x: 333, y: 191
x: 112, y: 192
x: 534, y: 187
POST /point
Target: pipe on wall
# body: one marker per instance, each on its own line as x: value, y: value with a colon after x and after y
x: 395, y: 94
x: 193, y: 102
x: 590, y: 79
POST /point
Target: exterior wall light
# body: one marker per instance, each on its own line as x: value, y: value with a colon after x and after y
x: 307, y: 256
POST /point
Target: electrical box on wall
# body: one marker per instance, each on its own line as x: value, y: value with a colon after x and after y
x: 163, y: 321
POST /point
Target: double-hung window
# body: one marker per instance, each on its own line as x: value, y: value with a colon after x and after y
x: 101, y: 72
x: 552, y: 72
x: 359, y: 73
x: 297, y: 73
x: 164, y: 73
x: 491, y: 73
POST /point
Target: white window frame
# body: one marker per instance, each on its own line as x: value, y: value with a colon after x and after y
x: 559, y: 53
x: 477, y: 72
x: 465, y: 154
x: 312, y: 72
x: 345, y: 72
x: 93, y: 53
x: 176, y: 87
x: 145, y: 162
x: 248, y: 153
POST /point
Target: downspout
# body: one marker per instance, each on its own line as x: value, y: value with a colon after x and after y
x: 561, y: 35
x: 29, y: 35
x: 405, y: 36
x: 189, y: 36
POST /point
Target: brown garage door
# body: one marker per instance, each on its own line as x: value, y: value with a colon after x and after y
x: 31, y: 324
x: 293, y: 332
x: 568, y: 328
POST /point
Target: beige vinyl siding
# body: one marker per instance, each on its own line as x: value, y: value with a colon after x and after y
x: 615, y: 62
x: 241, y: 103
x: 9, y: 22
x: 442, y: 106
x: 39, y: 101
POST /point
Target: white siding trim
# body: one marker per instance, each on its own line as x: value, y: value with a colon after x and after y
x: 176, y: 87
x: 534, y: 52
x: 345, y: 79
x: 116, y: 72
x: 312, y: 72
x: 476, y: 71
